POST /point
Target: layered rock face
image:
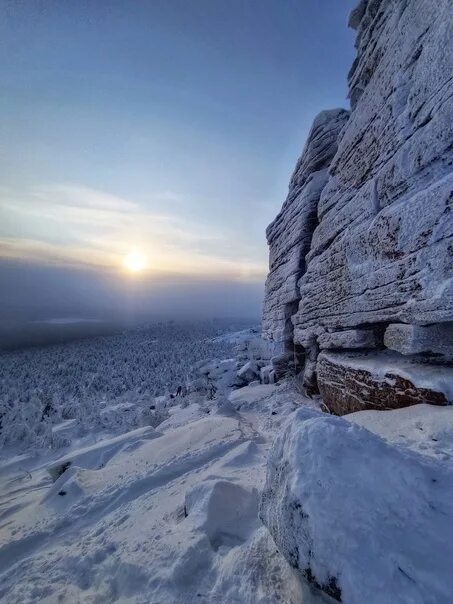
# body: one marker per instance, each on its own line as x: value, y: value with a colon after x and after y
x: 289, y: 236
x: 379, y: 268
x: 383, y: 250
x: 351, y: 382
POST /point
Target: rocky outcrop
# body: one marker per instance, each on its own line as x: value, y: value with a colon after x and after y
x: 351, y: 382
x: 289, y: 235
x: 383, y: 249
x: 377, y: 269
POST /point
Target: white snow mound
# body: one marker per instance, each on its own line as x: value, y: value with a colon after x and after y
x: 365, y: 520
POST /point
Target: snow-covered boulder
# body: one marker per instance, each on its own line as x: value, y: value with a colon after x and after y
x: 363, y: 520
x: 249, y: 372
x: 267, y: 375
x: 216, y: 376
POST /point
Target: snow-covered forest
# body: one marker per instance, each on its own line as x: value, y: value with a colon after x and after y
x: 111, y: 381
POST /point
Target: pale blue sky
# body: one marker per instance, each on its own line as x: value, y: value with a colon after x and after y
x: 171, y: 125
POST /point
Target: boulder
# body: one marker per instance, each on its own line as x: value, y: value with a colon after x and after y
x: 249, y: 372
x: 360, y: 519
x: 267, y: 375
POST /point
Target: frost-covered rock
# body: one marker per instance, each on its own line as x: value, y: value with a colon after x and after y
x: 254, y: 348
x: 289, y: 235
x: 349, y: 338
x: 363, y: 244
x: 249, y: 372
x: 351, y: 382
x: 363, y: 520
x: 415, y: 339
x: 215, y: 377
x: 382, y: 251
x: 286, y: 364
x: 267, y: 375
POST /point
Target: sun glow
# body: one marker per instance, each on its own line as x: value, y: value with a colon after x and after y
x: 135, y: 261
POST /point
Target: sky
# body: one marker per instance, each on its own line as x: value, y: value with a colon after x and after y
x: 167, y: 129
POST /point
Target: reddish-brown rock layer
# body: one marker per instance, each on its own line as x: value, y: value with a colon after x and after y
x: 349, y: 383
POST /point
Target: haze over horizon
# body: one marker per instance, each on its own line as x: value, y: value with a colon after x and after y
x: 164, y: 133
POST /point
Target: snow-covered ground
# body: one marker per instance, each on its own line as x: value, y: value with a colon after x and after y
x: 170, y: 513
x: 155, y: 515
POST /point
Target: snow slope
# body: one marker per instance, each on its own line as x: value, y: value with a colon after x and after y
x: 165, y: 515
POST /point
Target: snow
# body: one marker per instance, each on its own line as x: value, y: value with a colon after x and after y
x: 364, y: 519
x: 97, y: 455
x: 151, y: 515
x: 427, y: 429
x: 238, y: 337
x: 171, y: 513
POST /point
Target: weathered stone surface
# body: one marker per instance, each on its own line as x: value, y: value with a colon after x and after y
x: 374, y: 247
x: 416, y: 339
x: 350, y: 382
x: 281, y: 362
x: 357, y: 14
x: 383, y: 249
x: 349, y: 338
x: 289, y: 235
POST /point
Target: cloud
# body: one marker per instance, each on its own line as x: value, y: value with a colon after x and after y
x: 73, y: 224
x: 74, y: 195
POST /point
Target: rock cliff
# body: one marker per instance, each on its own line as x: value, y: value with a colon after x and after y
x: 289, y: 235
x: 361, y: 254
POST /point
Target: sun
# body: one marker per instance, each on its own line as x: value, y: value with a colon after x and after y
x: 135, y: 261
